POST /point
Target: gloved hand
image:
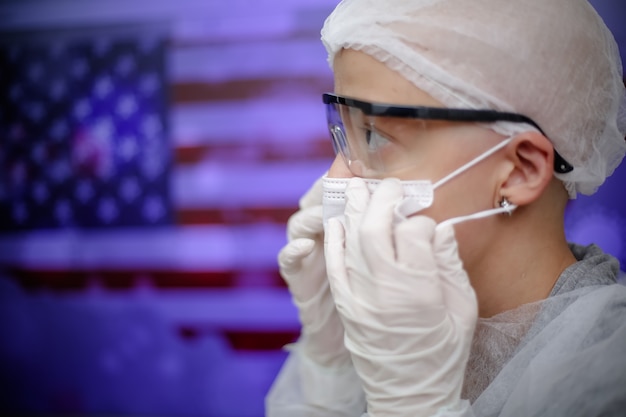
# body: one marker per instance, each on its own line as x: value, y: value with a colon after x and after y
x: 302, y: 266
x: 406, y: 303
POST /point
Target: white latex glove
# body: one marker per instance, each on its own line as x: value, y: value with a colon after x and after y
x: 302, y: 266
x: 406, y: 303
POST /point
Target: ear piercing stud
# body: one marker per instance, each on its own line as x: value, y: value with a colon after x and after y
x: 506, y: 205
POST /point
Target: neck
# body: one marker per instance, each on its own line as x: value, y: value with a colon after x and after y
x: 519, y: 264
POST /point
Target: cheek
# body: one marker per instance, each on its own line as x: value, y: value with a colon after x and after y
x: 470, y: 192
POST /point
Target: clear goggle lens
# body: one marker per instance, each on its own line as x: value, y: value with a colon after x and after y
x: 367, y: 145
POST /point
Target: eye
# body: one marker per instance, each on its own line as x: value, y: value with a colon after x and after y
x: 375, y: 140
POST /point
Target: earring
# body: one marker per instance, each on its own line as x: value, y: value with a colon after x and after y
x: 507, y: 206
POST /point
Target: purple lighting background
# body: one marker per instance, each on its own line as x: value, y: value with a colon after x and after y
x: 150, y: 155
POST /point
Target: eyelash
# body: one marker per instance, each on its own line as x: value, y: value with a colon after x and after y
x: 371, y: 134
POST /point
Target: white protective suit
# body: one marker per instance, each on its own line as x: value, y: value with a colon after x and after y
x: 564, y: 356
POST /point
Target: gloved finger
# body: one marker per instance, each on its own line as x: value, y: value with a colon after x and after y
x: 306, y: 223
x: 291, y: 255
x: 413, y: 239
x: 376, y: 237
x: 414, y: 250
x: 334, y: 252
x: 459, y: 294
x: 313, y: 196
x: 357, y: 198
x: 301, y: 265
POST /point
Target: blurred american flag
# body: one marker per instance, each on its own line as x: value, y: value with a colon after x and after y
x: 147, y: 172
x: 132, y: 158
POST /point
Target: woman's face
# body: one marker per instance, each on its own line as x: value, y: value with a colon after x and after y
x: 436, y: 147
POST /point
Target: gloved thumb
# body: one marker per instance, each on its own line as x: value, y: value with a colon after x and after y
x: 302, y: 267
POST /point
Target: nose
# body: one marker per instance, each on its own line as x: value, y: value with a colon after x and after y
x: 339, y: 169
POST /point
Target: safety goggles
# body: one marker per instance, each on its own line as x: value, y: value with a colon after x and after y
x: 367, y: 136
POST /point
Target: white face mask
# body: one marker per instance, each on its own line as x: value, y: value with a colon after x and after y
x: 418, y: 195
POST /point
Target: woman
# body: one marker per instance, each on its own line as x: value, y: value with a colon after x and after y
x: 430, y: 266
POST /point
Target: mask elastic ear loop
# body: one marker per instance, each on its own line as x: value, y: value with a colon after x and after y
x: 481, y: 214
x: 472, y: 162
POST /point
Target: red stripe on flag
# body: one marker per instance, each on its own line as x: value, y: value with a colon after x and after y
x: 263, y: 151
x: 243, y: 339
x: 77, y: 279
x: 255, y: 339
x: 203, y: 92
x: 235, y: 215
x: 190, y: 154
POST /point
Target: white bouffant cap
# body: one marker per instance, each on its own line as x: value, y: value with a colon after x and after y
x: 554, y: 61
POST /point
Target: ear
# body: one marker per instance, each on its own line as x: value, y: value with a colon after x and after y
x: 530, y: 157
